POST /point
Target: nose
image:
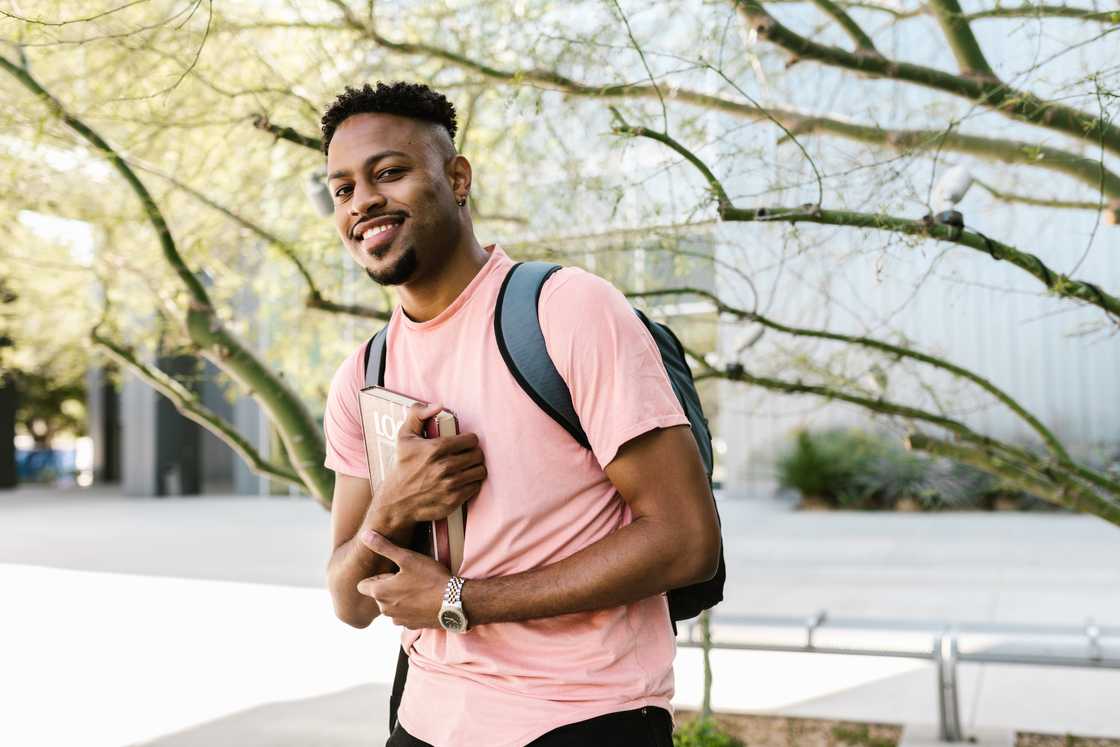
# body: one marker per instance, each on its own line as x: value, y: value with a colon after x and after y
x: 366, y: 198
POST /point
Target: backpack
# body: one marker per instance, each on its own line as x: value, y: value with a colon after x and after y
x: 522, y: 345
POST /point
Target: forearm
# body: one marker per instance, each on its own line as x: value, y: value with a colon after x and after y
x: 352, y: 561
x: 644, y: 558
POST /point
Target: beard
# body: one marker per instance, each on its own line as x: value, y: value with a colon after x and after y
x: 397, y: 273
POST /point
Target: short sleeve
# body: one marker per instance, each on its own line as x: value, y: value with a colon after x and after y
x: 608, y: 358
x: 342, y: 425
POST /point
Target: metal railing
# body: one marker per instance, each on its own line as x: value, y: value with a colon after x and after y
x: 947, y: 645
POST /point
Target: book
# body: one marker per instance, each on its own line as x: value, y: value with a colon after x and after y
x: 383, y: 412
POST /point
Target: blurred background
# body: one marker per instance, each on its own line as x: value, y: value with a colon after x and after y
x: 885, y: 232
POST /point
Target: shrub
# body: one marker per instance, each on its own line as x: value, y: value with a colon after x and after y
x: 947, y: 484
x: 853, y: 469
x: 703, y: 733
x: 824, y: 465
x: 890, y: 473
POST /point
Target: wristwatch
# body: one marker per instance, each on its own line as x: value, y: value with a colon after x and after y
x: 451, y: 615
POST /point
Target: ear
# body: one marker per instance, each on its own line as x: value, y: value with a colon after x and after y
x: 458, y: 171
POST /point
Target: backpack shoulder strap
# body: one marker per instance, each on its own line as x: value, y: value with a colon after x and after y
x: 399, y: 680
x: 374, y: 365
x: 375, y: 358
x: 517, y: 327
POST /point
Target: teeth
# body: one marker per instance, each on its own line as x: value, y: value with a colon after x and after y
x: 377, y: 229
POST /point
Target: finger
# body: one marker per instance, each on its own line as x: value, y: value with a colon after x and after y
x: 463, y: 460
x: 455, y: 444
x: 468, y: 476
x: 413, y: 424
x: 370, y: 586
x: 386, y: 549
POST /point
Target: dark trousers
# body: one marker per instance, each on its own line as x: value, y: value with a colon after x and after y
x: 642, y: 727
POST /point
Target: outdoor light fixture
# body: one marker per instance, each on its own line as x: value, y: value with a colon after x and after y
x: 949, y: 190
x: 316, y: 190
x: 951, y: 187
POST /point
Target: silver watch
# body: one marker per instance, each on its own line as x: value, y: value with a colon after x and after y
x: 451, y: 615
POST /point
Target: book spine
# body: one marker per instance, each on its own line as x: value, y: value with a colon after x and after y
x: 456, y: 522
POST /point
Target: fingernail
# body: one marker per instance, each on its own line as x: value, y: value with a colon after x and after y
x: 367, y: 535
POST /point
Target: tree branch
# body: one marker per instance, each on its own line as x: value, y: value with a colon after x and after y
x: 1057, y: 283
x: 188, y: 404
x: 1011, y: 461
x: 851, y: 28
x: 1015, y: 103
x: 1112, y: 209
x: 970, y: 58
x: 736, y: 372
x: 315, y: 301
x: 1028, y: 10
x: 714, y: 184
x: 990, y: 93
x: 298, y: 429
x: 1057, y: 489
x: 155, y: 217
x: 1089, y: 171
x: 314, y: 298
x: 547, y: 242
x: 1053, y: 444
x: 260, y: 121
x: 1052, y: 441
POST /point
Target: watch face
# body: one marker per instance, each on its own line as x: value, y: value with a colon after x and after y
x: 453, y: 620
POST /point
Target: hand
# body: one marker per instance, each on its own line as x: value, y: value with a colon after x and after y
x: 412, y: 596
x: 431, y: 477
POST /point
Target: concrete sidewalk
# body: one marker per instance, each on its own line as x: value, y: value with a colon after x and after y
x: 201, y: 621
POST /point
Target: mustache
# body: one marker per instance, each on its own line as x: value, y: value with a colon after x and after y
x: 368, y: 217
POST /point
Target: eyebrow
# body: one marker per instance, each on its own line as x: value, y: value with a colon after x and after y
x: 368, y: 162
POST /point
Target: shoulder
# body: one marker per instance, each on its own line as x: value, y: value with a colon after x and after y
x: 580, y: 311
x: 576, y: 284
x: 572, y: 294
x: 349, y: 377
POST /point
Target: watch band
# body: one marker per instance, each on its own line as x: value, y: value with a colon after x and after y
x: 454, y: 592
x: 451, y: 615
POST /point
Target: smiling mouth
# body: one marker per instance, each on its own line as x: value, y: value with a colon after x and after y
x: 376, y: 240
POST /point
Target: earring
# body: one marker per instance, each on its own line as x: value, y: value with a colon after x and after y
x: 461, y: 201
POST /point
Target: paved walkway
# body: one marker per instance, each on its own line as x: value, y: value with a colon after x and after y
x: 202, y: 621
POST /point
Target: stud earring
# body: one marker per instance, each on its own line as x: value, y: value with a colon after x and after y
x: 461, y: 201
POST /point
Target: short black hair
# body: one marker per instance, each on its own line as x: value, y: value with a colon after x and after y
x: 414, y: 100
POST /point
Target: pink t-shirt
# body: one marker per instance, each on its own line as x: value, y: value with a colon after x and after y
x: 545, y: 497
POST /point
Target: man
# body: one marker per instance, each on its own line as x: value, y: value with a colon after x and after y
x: 568, y: 551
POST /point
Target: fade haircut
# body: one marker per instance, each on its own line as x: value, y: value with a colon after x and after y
x: 413, y: 100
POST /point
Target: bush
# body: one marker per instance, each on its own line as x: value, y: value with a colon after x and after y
x: 890, y: 473
x: 703, y: 733
x: 824, y: 465
x: 853, y: 469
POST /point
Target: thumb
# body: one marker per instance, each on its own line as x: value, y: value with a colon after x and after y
x: 413, y: 424
x: 383, y: 547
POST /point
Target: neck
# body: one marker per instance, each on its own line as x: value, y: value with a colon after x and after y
x: 426, y: 298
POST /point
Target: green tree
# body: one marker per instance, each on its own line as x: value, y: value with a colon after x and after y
x: 186, y: 132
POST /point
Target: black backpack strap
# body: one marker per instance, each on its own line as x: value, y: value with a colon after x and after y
x: 374, y: 365
x: 398, y: 688
x: 521, y: 342
x: 375, y: 358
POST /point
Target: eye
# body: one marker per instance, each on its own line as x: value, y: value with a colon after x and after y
x: 392, y: 170
x: 341, y: 190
